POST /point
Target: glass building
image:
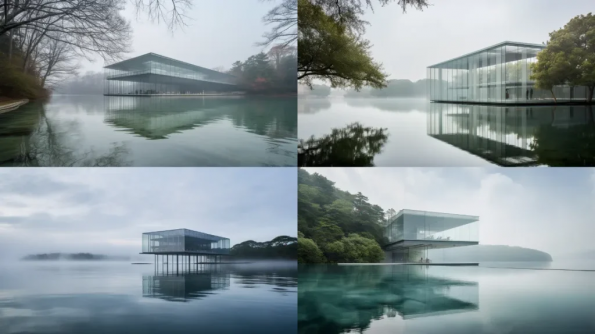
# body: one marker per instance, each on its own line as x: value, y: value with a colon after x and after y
x: 514, y: 136
x: 152, y: 74
x: 411, y: 234
x: 498, y: 74
x: 184, y: 242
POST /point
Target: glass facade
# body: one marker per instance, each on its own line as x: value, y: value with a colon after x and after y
x: 498, y: 74
x: 508, y: 135
x: 410, y: 225
x: 152, y: 74
x: 184, y: 241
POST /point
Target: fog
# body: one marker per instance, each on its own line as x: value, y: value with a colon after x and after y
x: 105, y: 211
x: 548, y: 209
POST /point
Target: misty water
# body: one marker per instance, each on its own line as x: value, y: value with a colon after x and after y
x: 151, y: 131
x: 112, y: 297
x: 433, y: 299
x: 419, y: 133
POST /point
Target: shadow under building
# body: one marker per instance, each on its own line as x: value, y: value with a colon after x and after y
x: 168, y: 246
x: 153, y: 74
x: 412, y: 234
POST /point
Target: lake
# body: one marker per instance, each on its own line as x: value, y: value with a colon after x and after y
x: 151, y: 131
x: 431, y: 299
x: 123, y: 298
x: 393, y: 132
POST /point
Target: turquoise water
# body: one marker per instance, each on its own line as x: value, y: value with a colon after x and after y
x: 151, y: 131
x: 427, y: 299
x: 115, y: 298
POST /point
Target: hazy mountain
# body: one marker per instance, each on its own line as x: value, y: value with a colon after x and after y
x: 489, y: 253
x: 394, y: 88
x: 317, y: 90
x: 73, y: 257
x: 282, y: 247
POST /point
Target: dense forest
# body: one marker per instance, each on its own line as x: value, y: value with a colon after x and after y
x: 335, y: 226
x: 282, y: 247
x: 394, y: 88
x: 72, y: 257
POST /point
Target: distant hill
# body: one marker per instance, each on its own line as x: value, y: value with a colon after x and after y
x: 317, y: 90
x: 282, y: 247
x: 491, y: 253
x: 73, y: 257
x: 394, y: 88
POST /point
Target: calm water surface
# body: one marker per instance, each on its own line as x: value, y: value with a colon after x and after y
x: 461, y: 300
x: 420, y: 133
x: 124, y: 298
x: 145, y: 131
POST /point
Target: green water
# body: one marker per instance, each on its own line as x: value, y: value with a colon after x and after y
x: 151, y: 131
x: 461, y: 300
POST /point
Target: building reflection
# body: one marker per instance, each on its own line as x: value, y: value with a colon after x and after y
x: 185, y: 285
x: 516, y: 136
x: 159, y: 117
x: 360, y: 295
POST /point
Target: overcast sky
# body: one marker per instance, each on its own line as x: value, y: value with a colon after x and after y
x: 219, y: 32
x: 408, y: 43
x: 549, y: 209
x: 106, y: 210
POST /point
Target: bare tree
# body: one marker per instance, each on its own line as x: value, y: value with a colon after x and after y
x: 171, y: 12
x: 56, y: 60
x: 279, y: 51
x: 283, y: 18
x: 92, y: 26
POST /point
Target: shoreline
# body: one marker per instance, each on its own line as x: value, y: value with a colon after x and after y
x: 4, y: 108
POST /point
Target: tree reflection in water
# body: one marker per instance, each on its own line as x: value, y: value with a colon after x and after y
x: 354, y: 145
x: 566, y: 146
x: 49, y: 142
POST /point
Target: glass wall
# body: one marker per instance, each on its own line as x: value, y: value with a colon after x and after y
x: 184, y: 240
x: 500, y: 74
x: 153, y: 74
x: 421, y: 225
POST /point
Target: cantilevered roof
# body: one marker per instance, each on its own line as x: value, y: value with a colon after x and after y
x: 466, y: 218
x: 135, y: 63
x: 505, y: 43
x: 191, y: 233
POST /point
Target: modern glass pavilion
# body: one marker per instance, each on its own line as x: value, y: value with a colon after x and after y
x: 499, y: 74
x: 152, y: 74
x: 412, y: 233
x: 202, y: 246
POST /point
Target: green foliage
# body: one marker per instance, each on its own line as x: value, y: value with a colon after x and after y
x: 282, y: 247
x: 270, y: 73
x: 329, y: 51
x: 308, y: 252
x: 354, y: 145
x: 569, y: 57
x: 345, y: 227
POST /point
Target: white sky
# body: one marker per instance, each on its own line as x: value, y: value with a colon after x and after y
x: 408, y: 43
x: 549, y: 209
x: 219, y: 32
x: 105, y: 210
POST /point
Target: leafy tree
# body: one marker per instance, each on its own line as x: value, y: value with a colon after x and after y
x: 354, y: 145
x: 569, y: 57
x: 308, y: 252
x: 327, y: 214
x: 281, y: 247
x: 331, y: 46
